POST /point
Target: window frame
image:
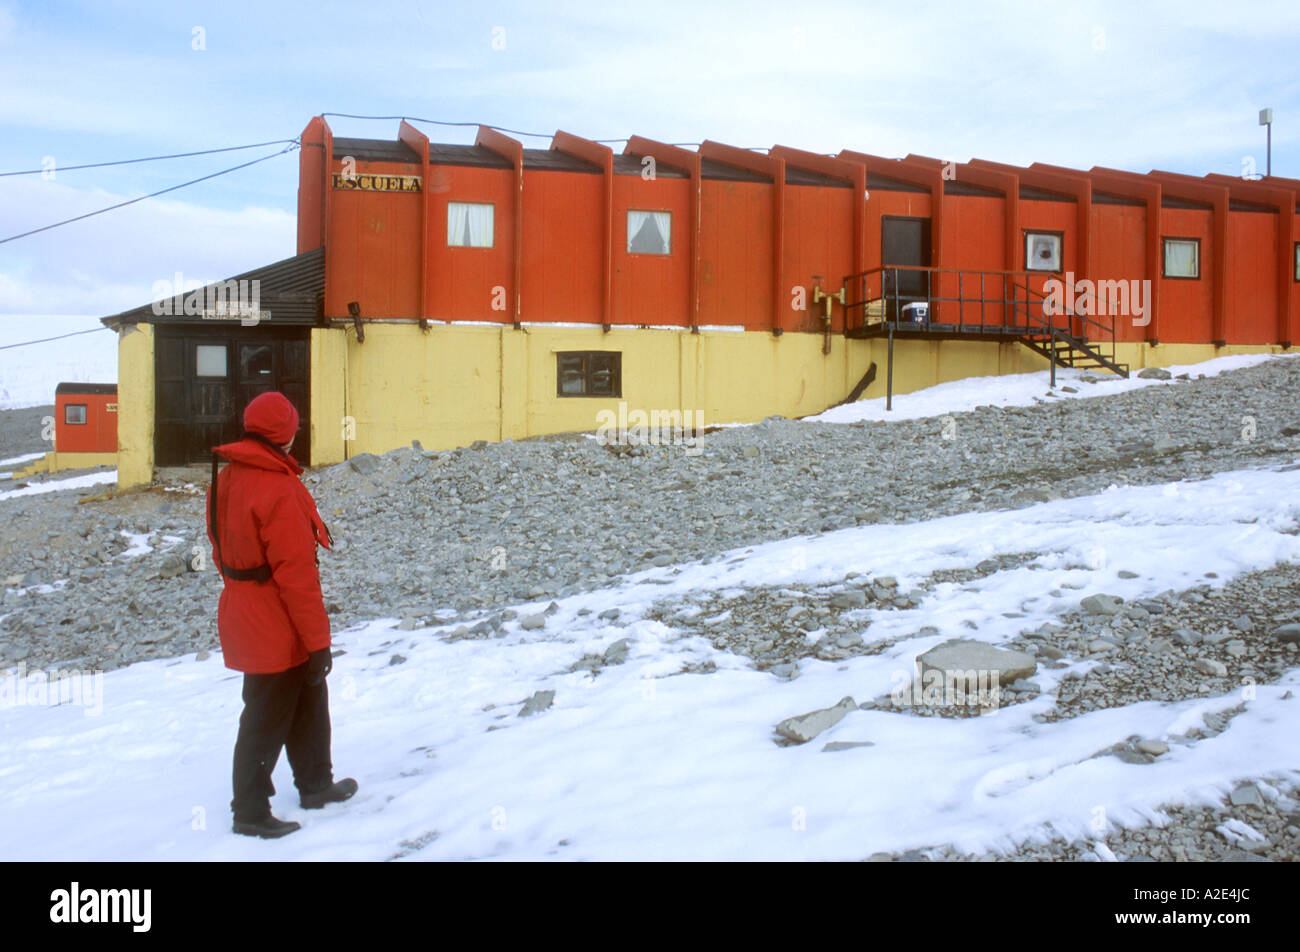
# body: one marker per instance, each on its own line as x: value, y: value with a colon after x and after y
x: 224, y: 347
x: 85, y: 414
x: 487, y: 247
x: 1029, y: 233
x: 588, y: 373
x: 1164, y: 257
x: 627, y: 244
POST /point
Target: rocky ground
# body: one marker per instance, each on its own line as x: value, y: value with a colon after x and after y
x: 458, y: 536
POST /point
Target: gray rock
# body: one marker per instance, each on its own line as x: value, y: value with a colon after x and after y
x: 835, y: 745
x: 1246, y: 795
x: 1101, y: 604
x: 852, y: 599
x: 365, y: 463
x: 531, y: 622
x: 958, y: 657
x: 609, y: 614
x: 787, y: 670
x: 1185, y: 637
x: 539, y: 702
x: 1153, y: 747
x: 805, y: 727
x: 617, y: 652
x: 1287, y: 634
x: 1154, y: 373
x: 1215, y: 669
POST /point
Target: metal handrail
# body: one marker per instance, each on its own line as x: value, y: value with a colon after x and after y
x: 1013, y: 304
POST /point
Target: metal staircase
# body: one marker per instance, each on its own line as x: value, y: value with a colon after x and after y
x: 956, y: 304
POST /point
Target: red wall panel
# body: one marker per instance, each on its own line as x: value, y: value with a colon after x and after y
x: 1187, y: 305
x: 818, y: 241
x: 563, y: 248
x: 652, y: 289
x: 736, y: 254
x: 1252, y: 277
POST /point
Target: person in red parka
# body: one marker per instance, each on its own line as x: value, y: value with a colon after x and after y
x: 264, y: 529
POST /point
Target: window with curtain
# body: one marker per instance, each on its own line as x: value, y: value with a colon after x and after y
x: 469, y: 225
x: 1182, y: 258
x: 649, y: 233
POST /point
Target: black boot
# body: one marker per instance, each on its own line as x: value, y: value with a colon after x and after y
x: 268, y: 829
x: 334, y: 793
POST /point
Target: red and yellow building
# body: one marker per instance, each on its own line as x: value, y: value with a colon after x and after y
x: 449, y: 293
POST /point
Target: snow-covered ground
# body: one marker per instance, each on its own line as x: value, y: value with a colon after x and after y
x: 1020, y: 390
x: 644, y: 761
x: 28, y: 375
x: 57, y: 485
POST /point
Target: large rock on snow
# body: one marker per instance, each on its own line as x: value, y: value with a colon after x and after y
x: 1100, y: 604
x: 1154, y: 373
x: 805, y: 727
x: 539, y: 702
x: 957, y: 658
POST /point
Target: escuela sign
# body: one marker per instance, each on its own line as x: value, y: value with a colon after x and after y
x: 377, y: 183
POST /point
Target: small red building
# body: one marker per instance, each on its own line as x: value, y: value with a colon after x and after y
x: 85, y: 418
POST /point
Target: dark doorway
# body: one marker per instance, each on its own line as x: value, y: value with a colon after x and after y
x: 905, y: 241
x: 205, y: 377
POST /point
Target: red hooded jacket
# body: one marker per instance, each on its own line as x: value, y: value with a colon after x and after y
x: 266, y: 516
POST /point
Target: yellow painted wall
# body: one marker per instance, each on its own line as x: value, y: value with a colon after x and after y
x: 453, y: 384
x: 135, y: 399
x: 1139, y: 355
x: 450, y: 385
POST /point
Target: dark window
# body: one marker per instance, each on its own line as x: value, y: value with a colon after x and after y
x: 1044, y: 250
x: 74, y: 413
x: 589, y: 373
x: 1182, y: 258
x: 1297, y: 260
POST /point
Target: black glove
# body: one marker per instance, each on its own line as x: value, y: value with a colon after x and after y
x: 319, y: 664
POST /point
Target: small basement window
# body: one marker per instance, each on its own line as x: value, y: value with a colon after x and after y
x: 649, y: 233
x: 469, y: 225
x: 1043, y: 250
x: 1182, y: 258
x: 210, y: 360
x: 74, y: 413
x: 589, y: 373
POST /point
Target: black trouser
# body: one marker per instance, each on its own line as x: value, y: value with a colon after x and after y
x: 280, y: 710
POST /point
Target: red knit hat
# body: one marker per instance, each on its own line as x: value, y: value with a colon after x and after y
x: 272, y: 415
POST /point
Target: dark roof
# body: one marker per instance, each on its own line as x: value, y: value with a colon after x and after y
x: 1237, y: 205
x: 1110, y: 198
x: 290, y: 289
x: 883, y: 183
x: 956, y: 187
x: 794, y: 176
x: 1044, y: 195
x: 1169, y: 201
x: 375, y: 150
x: 85, y: 388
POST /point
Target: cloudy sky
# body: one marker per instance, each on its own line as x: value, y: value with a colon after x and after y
x: 1167, y: 85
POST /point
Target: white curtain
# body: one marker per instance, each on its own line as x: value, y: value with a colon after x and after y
x: 469, y: 225
x: 648, y: 232
x: 1181, y: 259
